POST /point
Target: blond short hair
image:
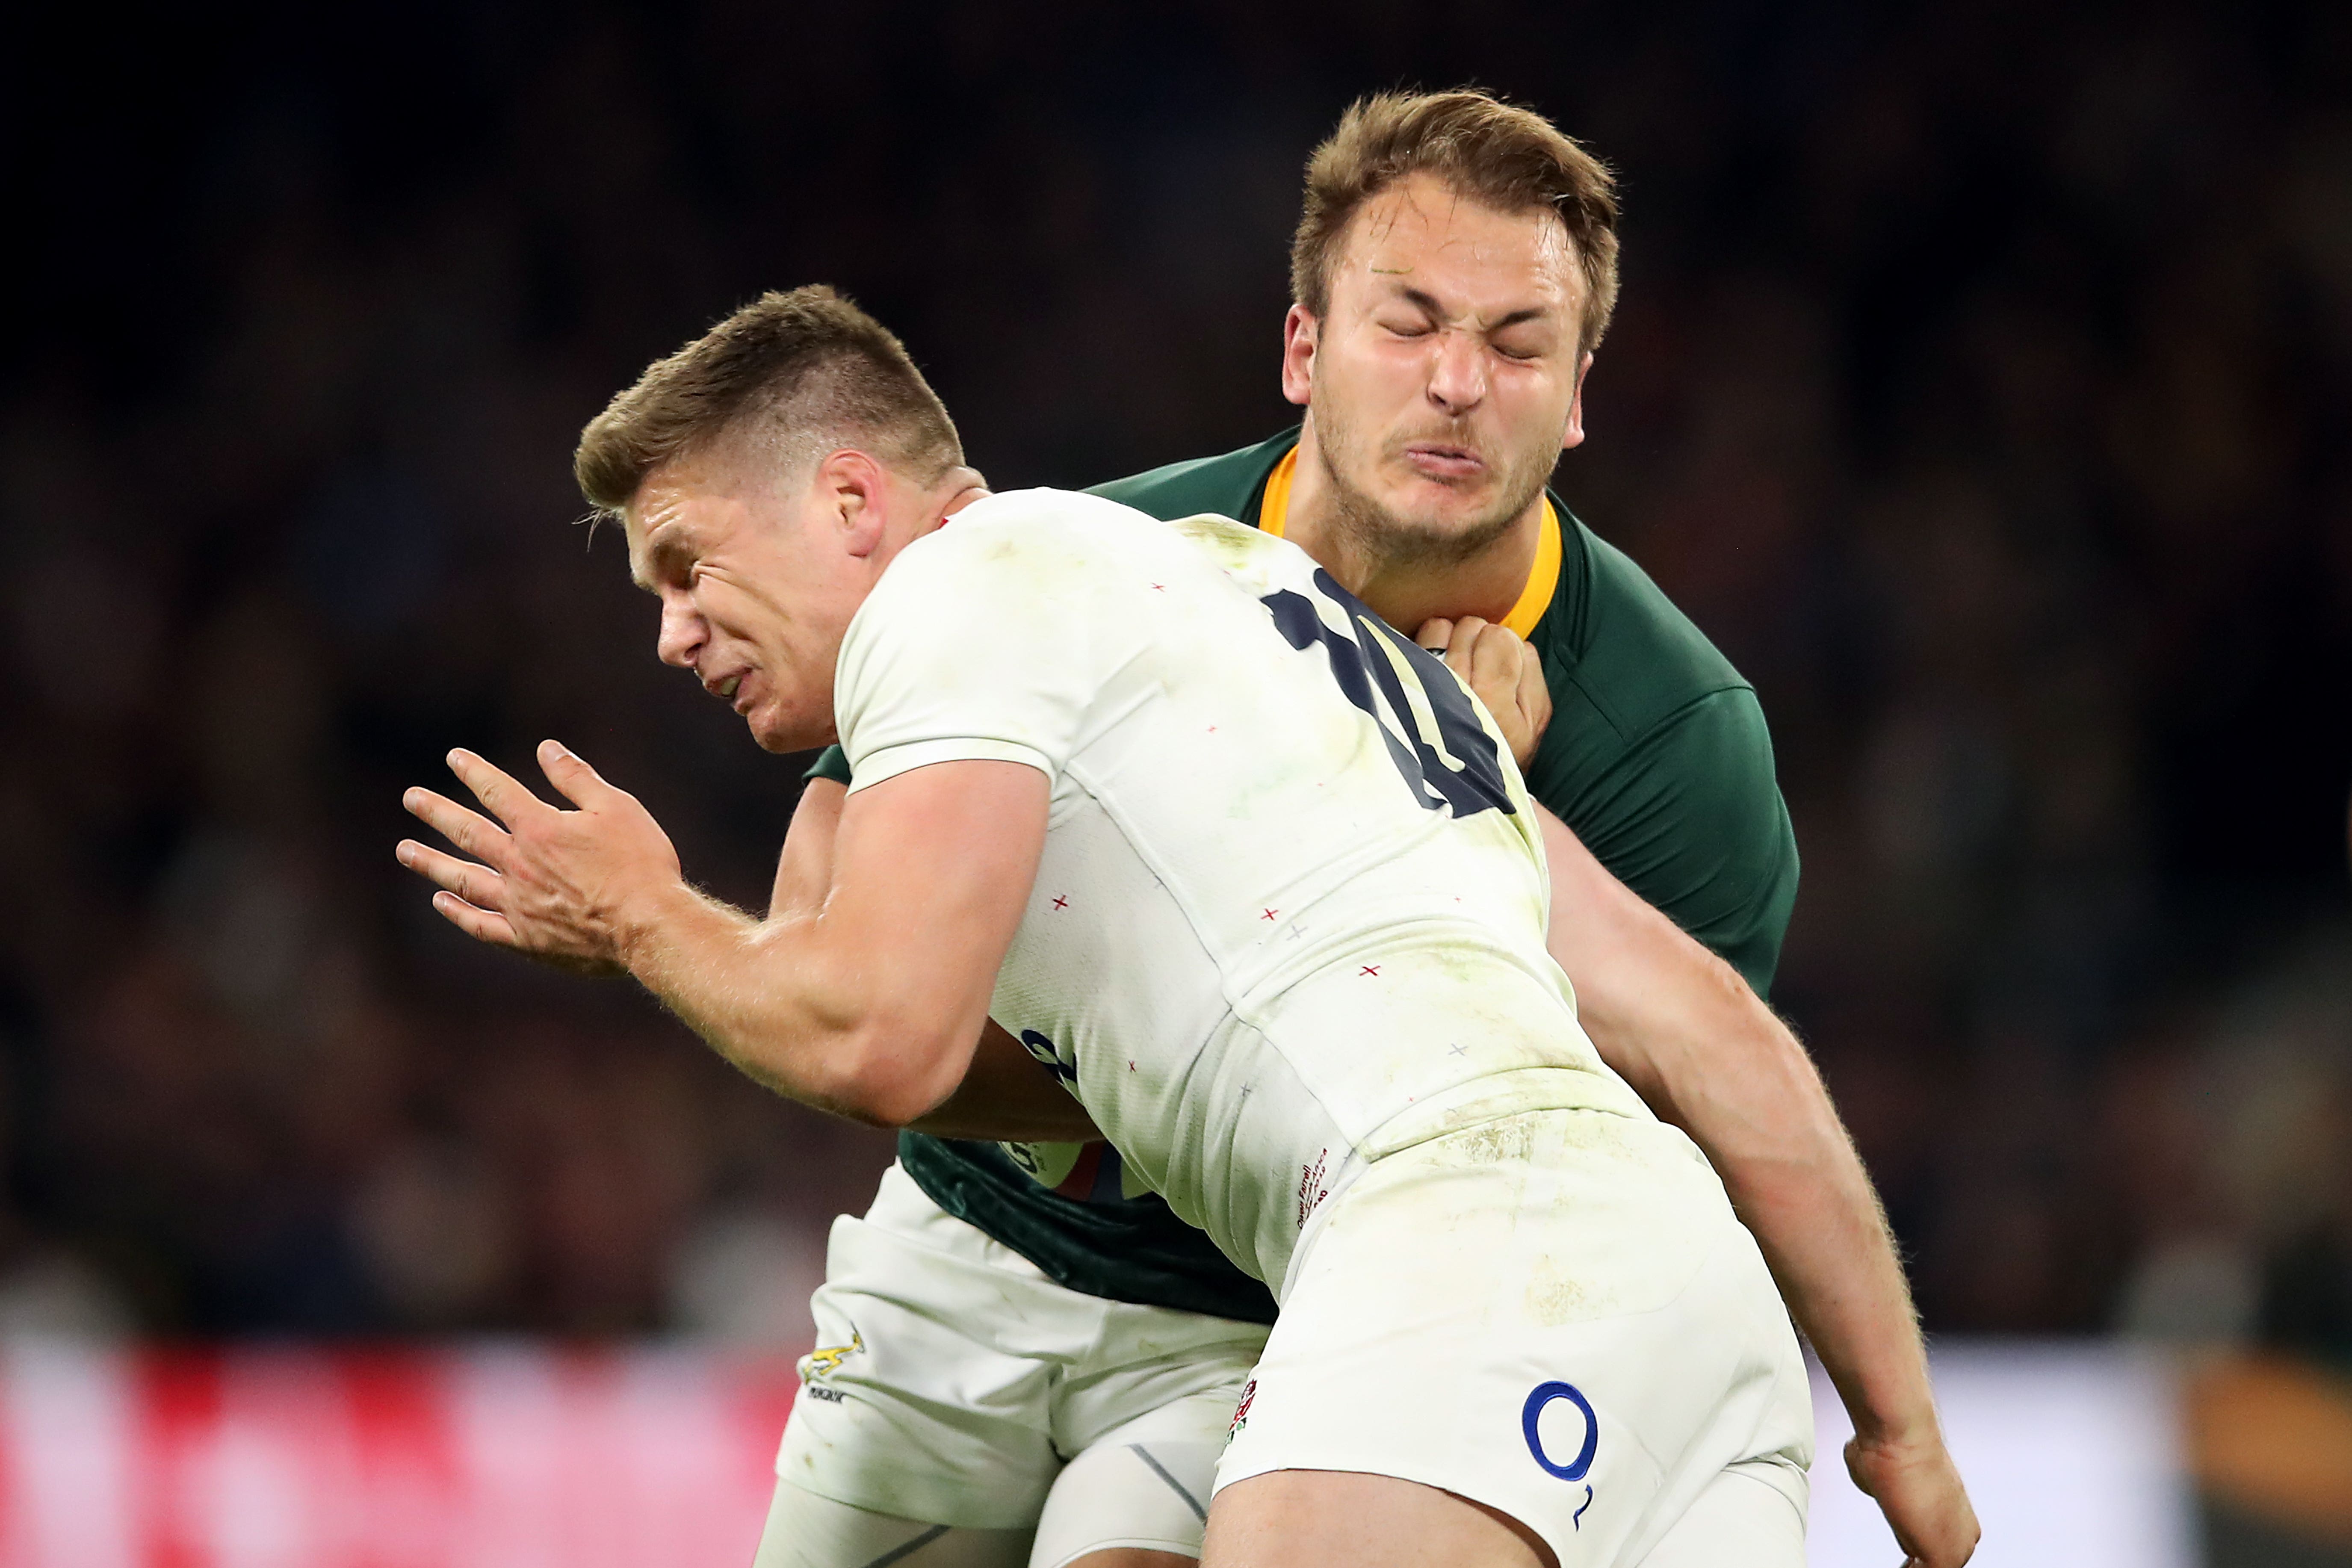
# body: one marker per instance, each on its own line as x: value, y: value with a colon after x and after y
x: 807, y: 369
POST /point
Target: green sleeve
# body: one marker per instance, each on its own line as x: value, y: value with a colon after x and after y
x: 833, y: 763
x: 1690, y: 816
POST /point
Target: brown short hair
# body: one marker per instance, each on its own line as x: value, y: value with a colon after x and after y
x: 1506, y: 157
x: 820, y: 372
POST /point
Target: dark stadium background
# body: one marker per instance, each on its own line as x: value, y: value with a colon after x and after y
x: 1983, y: 386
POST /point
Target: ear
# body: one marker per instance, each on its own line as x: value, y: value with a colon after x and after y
x: 1574, y: 436
x: 851, y: 488
x: 1300, y: 332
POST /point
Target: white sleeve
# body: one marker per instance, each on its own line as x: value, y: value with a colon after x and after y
x: 975, y: 645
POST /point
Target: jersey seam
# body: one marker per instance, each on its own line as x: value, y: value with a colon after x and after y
x: 1248, y: 1017
x: 951, y: 748
x: 1153, y: 863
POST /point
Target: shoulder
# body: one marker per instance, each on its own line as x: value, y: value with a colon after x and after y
x: 1659, y: 758
x: 1687, y: 813
x: 1024, y: 525
x: 987, y: 637
x: 1041, y: 510
x: 1613, y: 634
x: 1227, y: 484
x: 1058, y: 552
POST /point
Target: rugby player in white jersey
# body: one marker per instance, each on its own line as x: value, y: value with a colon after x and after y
x: 1002, y: 1355
x: 1312, y: 1003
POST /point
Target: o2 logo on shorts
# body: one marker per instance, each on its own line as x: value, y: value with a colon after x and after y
x: 1543, y: 1396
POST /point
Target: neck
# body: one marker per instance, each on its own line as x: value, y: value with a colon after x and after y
x: 957, y: 489
x: 1397, y: 580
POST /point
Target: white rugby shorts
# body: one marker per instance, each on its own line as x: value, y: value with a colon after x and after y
x: 1558, y: 1315
x: 953, y: 1380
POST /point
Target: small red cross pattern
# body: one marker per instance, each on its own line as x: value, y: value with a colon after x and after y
x: 1060, y: 903
x: 1374, y: 970
x: 1269, y: 914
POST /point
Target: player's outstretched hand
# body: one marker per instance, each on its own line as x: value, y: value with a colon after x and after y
x: 553, y: 884
x: 1918, y: 1488
x: 1508, y: 675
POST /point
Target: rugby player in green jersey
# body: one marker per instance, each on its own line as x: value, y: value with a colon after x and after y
x: 1065, y: 1354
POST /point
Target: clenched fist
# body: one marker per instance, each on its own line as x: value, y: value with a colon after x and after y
x: 1918, y: 1488
x: 1496, y: 663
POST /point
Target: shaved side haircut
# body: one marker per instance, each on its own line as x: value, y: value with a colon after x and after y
x: 799, y: 374
x: 1495, y: 153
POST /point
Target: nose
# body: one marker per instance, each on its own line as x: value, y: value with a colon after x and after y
x: 682, y: 635
x: 1458, y: 377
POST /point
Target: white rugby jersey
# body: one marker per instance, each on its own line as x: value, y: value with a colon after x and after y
x: 1292, y: 901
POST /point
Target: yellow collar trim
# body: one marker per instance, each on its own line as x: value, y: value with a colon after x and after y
x: 1543, y: 578
x: 1273, y: 507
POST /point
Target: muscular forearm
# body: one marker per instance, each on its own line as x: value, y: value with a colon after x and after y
x: 779, y: 1000
x: 1706, y: 1055
x: 1729, y: 1074
x: 1749, y: 1096
x: 1005, y: 1093
x: 754, y: 990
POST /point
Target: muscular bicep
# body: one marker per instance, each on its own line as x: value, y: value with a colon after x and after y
x: 931, y: 874
x: 805, y: 869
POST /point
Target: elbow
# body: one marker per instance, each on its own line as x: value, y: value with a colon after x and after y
x: 890, y: 1107
x: 885, y: 1078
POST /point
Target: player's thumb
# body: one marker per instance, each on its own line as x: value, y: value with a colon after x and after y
x: 578, y: 782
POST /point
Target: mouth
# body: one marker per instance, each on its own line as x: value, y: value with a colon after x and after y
x: 1444, y: 460
x: 725, y: 689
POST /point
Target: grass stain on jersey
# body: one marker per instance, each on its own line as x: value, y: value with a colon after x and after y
x: 1555, y: 1297
x: 1509, y: 1140
x: 1233, y: 545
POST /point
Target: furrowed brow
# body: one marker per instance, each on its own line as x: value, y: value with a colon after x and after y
x: 662, y: 550
x: 1423, y: 301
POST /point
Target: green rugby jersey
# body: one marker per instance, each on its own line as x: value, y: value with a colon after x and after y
x: 1657, y: 757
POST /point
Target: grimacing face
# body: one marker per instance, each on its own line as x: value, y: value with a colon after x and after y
x: 1443, y: 379
x: 750, y: 601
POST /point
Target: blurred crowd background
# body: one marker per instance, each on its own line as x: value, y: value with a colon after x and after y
x: 1983, y: 387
